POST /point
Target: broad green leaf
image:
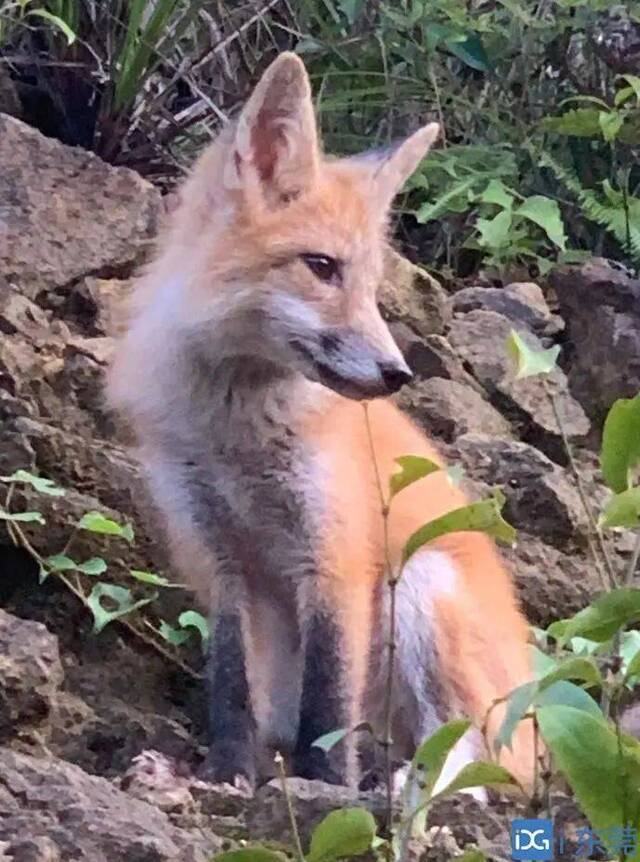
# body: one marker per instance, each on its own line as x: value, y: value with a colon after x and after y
x: 600, y: 620
x: 482, y: 517
x: 543, y: 663
x: 620, y: 452
x: 57, y: 22
x: 95, y: 522
x: 579, y: 123
x: 431, y: 755
x: 24, y: 517
x: 250, y: 854
x: 497, y: 193
x: 633, y: 668
x: 518, y: 704
x: 119, y: 596
x: 152, y: 578
x: 530, y: 360
x: 413, y: 468
x: 495, y: 232
x: 479, y: 774
x: 610, y: 124
x: 634, y: 84
x: 176, y: 637
x: 93, y: 566
x: 545, y: 212
x: 622, y: 510
x: 471, y: 51
x: 328, y: 740
x: 346, y: 832
x: 39, y: 483
x: 587, y: 753
x: 564, y: 693
x: 192, y: 619
x: 583, y: 669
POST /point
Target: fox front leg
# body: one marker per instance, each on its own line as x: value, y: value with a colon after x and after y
x: 232, y: 754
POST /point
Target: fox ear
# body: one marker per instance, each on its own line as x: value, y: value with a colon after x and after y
x: 395, y: 165
x: 275, y: 151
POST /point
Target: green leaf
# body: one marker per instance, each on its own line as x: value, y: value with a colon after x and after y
x: 610, y: 124
x: 579, y: 123
x: 497, y: 193
x: 622, y: 510
x: 39, y: 483
x: 633, y: 668
x: 482, y: 517
x: 530, y: 360
x: 620, y: 452
x: 250, y: 854
x: 495, y: 232
x: 192, y: 619
x: 328, y: 740
x: 587, y: 754
x: 518, y: 704
x: 95, y: 522
x: 634, y: 85
x: 346, y: 832
x: 62, y: 563
x: 545, y: 212
x: 431, y: 755
x: 57, y: 22
x: 600, y: 620
x: 151, y: 578
x: 471, y: 51
x: 119, y: 596
x: 24, y: 517
x: 564, y: 693
x: 176, y: 637
x: 583, y: 669
x: 413, y: 467
x: 478, y: 774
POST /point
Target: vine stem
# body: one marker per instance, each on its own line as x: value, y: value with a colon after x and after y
x: 392, y: 582
x: 279, y: 761
x: 595, y: 533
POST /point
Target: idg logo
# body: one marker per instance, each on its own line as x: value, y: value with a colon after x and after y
x: 532, y: 839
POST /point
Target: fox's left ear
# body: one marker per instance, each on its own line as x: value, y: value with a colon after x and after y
x: 398, y: 163
x: 275, y: 151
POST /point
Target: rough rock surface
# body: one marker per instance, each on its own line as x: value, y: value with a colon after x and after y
x: 480, y: 339
x: 30, y: 674
x: 410, y: 295
x: 601, y: 305
x: 65, y: 214
x: 79, y: 816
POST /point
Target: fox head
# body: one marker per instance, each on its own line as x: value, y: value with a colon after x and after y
x: 285, y: 246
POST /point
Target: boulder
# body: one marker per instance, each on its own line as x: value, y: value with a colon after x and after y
x: 541, y: 498
x: 410, y: 295
x: 30, y: 674
x: 446, y: 409
x: 601, y: 304
x: 480, y: 337
x: 48, y: 803
x: 522, y: 302
x: 64, y: 213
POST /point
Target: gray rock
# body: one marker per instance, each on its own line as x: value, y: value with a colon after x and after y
x: 410, y: 295
x: 446, y: 409
x: 480, y: 337
x: 540, y: 496
x: 47, y: 802
x: 601, y: 305
x: 30, y: 674
x: 64, y: 213
x: 522, y: 302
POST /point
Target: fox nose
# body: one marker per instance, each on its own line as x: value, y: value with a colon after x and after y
x: 394, y: 377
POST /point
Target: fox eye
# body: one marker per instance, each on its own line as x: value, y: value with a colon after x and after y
x: 324, y: 267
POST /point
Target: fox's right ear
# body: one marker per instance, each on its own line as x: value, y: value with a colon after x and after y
x: 275, y: 152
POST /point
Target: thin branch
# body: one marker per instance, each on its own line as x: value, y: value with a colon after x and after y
x: 292, y: 817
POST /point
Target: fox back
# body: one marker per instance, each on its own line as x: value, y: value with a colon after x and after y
x: 253, y: 335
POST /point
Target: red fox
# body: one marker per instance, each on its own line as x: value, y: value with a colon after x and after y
x: 254, y: 334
